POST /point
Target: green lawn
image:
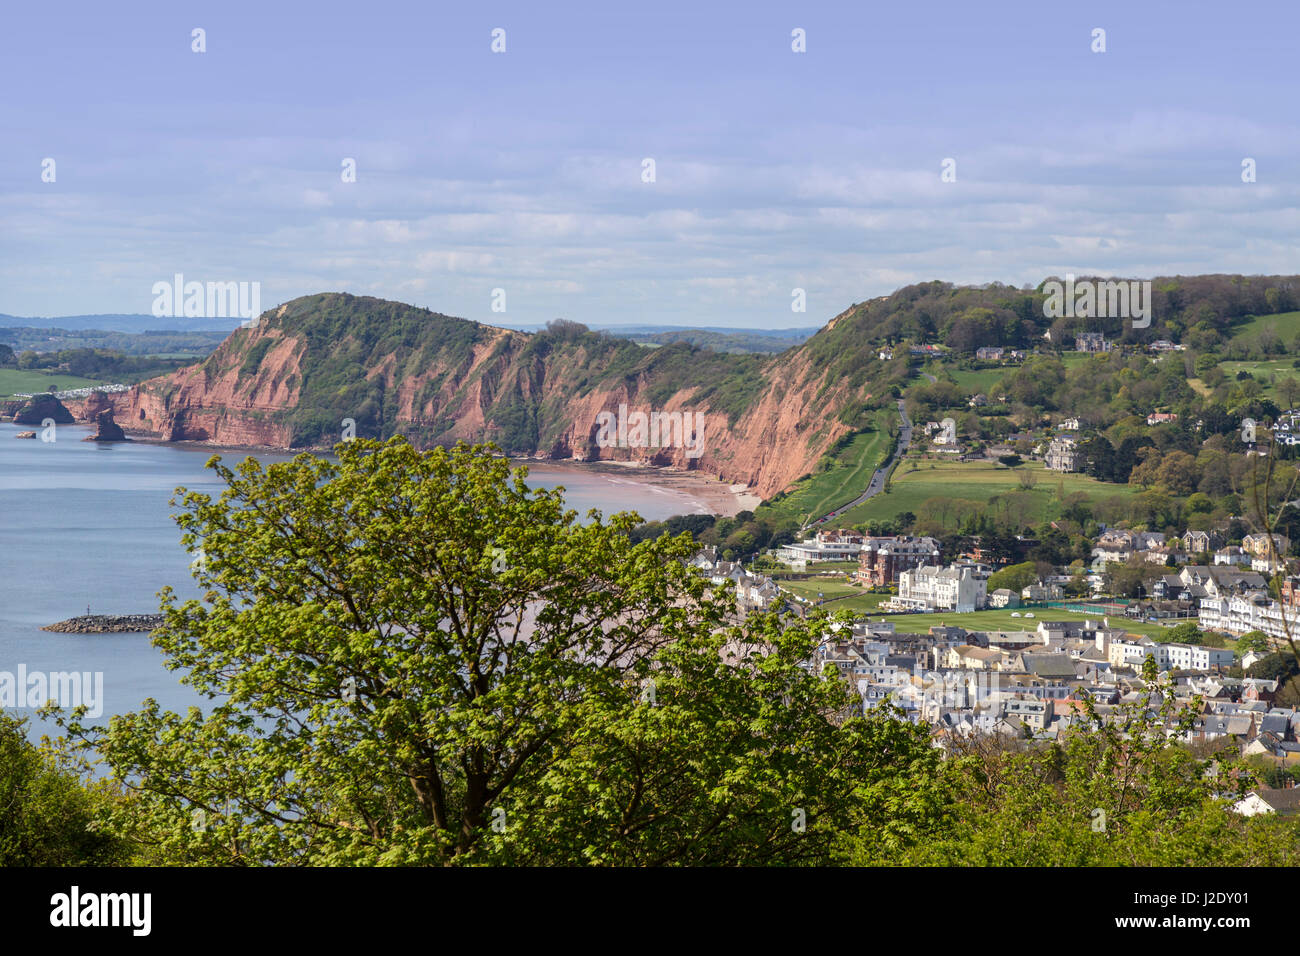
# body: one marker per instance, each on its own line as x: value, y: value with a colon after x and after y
x: 978, y: 481
x: 829, y: 587
x: 978, y: 381
x: 14, y: 380
x: 845, y: 480
x: 1001, y: 620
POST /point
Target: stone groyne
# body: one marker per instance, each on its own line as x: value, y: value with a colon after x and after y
x: 107, y: 624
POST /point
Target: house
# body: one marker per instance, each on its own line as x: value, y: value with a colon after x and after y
x: 1043, y: 592
x: 1231, y: 555
x: 1119, y: 544
x: 1267, y: 553
x: 989, y: 353
x: 1063, y: 455
x: 886, y: 354
x: 970, y: 657
x: 1161, y: 418
x: 932, y: 588
x: 1070, y: 425
x: 1030, y: 712
x: 1291, y: 591
x: 1202, y: 542
x: 1284, y: 803
x: 1004, y: 597
x: 1091, y: 342
x: 977, y: 401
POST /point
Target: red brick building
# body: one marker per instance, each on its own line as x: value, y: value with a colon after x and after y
x: 883, y: 559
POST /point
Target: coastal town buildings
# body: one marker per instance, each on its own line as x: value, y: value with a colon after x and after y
x: 883, y: 559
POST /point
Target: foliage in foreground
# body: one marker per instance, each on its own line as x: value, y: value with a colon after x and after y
x: 48, y: 815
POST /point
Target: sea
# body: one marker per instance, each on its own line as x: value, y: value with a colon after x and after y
x: 87, y: 526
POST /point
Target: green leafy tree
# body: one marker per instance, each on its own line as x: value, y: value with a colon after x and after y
x: 414, y: 659
x: 50, y: 814
x: 1185, y: 633
x: 1016, y: 577
x: 1252, y: 641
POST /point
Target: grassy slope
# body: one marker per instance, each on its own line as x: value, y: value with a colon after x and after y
x: 846, y: 480
x: 1264, y: 371
x: 1285, y: 324
x: 977, y: 481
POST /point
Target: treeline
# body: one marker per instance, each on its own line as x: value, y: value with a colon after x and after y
x: 738, y: 538
x: 1204, y: 309
x: 22, y: 338
x: 92, y: 363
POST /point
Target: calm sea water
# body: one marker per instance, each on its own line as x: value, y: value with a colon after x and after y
x: 86, y: 524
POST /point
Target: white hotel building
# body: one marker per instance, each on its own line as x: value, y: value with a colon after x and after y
x: 930, y: 588
x: 1249, y: 612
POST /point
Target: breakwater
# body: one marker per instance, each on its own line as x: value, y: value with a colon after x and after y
x: 107, y: 624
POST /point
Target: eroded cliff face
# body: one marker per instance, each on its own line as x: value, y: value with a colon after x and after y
x: 220, y: 401
x: 249, y: 389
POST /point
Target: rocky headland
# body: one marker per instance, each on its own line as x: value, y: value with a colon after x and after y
x: 40, y: 407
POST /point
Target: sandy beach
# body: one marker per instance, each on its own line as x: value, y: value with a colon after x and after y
x: 706, y: 494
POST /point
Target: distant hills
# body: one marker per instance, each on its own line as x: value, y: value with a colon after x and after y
x: 106, y: 331
x: 119, y: 322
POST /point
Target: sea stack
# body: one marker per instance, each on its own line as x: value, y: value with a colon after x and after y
x: 106, y: 429
x: 41, y: 407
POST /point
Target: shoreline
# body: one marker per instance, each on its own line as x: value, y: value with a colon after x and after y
x: 714, y: 495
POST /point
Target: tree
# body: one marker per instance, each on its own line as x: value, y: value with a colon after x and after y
x: 1015, y: 577
x: 1252, y: 641
x: 418, y: 660
x: 1186, y: 633
x: 1177, y: 472
x: 1150, y: 670
x: 48, y: 813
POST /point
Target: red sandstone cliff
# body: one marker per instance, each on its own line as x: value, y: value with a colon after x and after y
x: 247, y: 391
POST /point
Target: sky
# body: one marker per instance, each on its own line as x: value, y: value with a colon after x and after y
x: 524, y: 171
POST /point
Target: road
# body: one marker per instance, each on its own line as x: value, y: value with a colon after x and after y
x: 877, y: 483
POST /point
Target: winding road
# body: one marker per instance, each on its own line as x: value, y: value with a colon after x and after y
x: 877, y: 483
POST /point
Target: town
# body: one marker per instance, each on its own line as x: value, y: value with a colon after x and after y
x: 1030, y: 679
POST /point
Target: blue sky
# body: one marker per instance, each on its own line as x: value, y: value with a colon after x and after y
x: 522, y: 171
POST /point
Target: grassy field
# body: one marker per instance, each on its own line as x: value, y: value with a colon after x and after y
x: 978, y: 381
x: 829, y: 587
x: 976, y: 481
x: 843, y: 482
x: 1285, y: 324
x: 14, y: 380
x: 1001, y: 620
